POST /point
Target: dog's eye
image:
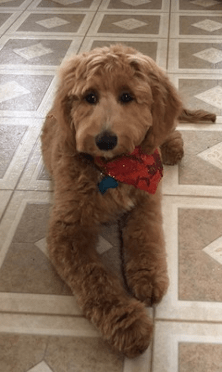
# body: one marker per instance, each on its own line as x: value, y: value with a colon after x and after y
x: 91, y: 98
x: 126, y: 98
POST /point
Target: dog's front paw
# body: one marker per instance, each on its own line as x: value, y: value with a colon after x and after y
x: 172, y: 150
x: 130, y: 329
x: 148, y: 288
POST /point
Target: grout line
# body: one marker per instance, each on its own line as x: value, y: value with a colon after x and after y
x: 20, y: 11
x: 95, y: 14
x: 153, y: 340
x: 29, y: 157
x: 188, y: 321
x: 43, y: 314
x: 168, y: 38
x: 192, y: 196
x: 7, y: 205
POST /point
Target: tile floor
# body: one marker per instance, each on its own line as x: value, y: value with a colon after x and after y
x: 41, y: 326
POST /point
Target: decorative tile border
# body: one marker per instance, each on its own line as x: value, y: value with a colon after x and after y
x: 171, y: 307
x: 161, y: 50
x: 72, y: 49
x: 168, y: 336
x: 97, y: 22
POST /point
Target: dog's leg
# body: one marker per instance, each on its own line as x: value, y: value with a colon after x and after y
x: 144, y: 251
x: 172, y: 149
x: 121, y: 320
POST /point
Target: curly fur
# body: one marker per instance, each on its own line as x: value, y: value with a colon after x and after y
x: 69, y: 149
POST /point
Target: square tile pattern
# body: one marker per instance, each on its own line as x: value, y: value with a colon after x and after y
x: 192, y: 55
x: 41, y: 325
x: 34, y: 52
x: 134, y: 4
x: 138, y: 24
x: 70, y: 4
x: 199, y: 5
x: 37, y: 22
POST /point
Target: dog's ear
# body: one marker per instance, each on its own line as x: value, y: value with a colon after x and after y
x: 166, y: 105
x: 64, y: 100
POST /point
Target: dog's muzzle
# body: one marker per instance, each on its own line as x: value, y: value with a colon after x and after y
x: 106, y: 141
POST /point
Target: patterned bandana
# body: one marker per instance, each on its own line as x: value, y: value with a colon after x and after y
x: 138, y: 169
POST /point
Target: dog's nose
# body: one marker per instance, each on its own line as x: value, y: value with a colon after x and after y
x: 106, y: 141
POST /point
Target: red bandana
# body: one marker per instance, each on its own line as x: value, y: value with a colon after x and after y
x: 138, y: 169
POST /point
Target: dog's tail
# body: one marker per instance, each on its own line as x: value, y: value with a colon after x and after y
x: 196, y: 116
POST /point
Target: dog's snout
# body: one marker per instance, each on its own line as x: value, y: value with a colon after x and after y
x: 106, y: 141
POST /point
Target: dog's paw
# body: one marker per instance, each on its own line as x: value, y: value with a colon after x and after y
x: 147, y: 288
x: 129, y: 329
x: 172, y: 155
x: 172, y: 151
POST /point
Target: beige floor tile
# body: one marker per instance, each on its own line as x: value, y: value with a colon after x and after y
x: 193, y: 26
x: 4, y: 199
x: 200, y: 272
x: 51, y: 23
x: 174, y: 342
x: 201, y: 164
x: 200, y: 91
x: 58, y: 354
x: 125, y: 25
x: 34, y: 53
x: 65, y: 4
x: 134, y: 5
x: 188, y: 56
x: 191, y: 177
x: 187, y: 298
x: 156, y: 49
x: 18, y: 136
x: 7, y: 18
x: 200, y: 357
x: 198, y: 6
x: 14, y: 4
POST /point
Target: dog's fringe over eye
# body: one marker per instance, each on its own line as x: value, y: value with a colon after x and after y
x: 126, y: 98
x: 91, y: 98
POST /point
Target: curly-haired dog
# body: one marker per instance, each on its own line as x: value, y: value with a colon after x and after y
x: 110, y: 101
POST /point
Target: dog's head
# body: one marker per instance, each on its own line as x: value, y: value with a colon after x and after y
x: 111, y: 100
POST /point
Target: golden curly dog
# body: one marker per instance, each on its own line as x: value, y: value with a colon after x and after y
x: 109, y: 101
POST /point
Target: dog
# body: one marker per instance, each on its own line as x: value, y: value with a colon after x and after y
x: 109, y: 102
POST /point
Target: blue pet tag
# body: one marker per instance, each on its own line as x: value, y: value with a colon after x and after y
x: 107, y: 183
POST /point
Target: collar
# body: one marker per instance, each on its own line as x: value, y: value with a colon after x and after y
x: 137, y: 169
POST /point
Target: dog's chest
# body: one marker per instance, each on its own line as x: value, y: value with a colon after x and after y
x: 117, y: 201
